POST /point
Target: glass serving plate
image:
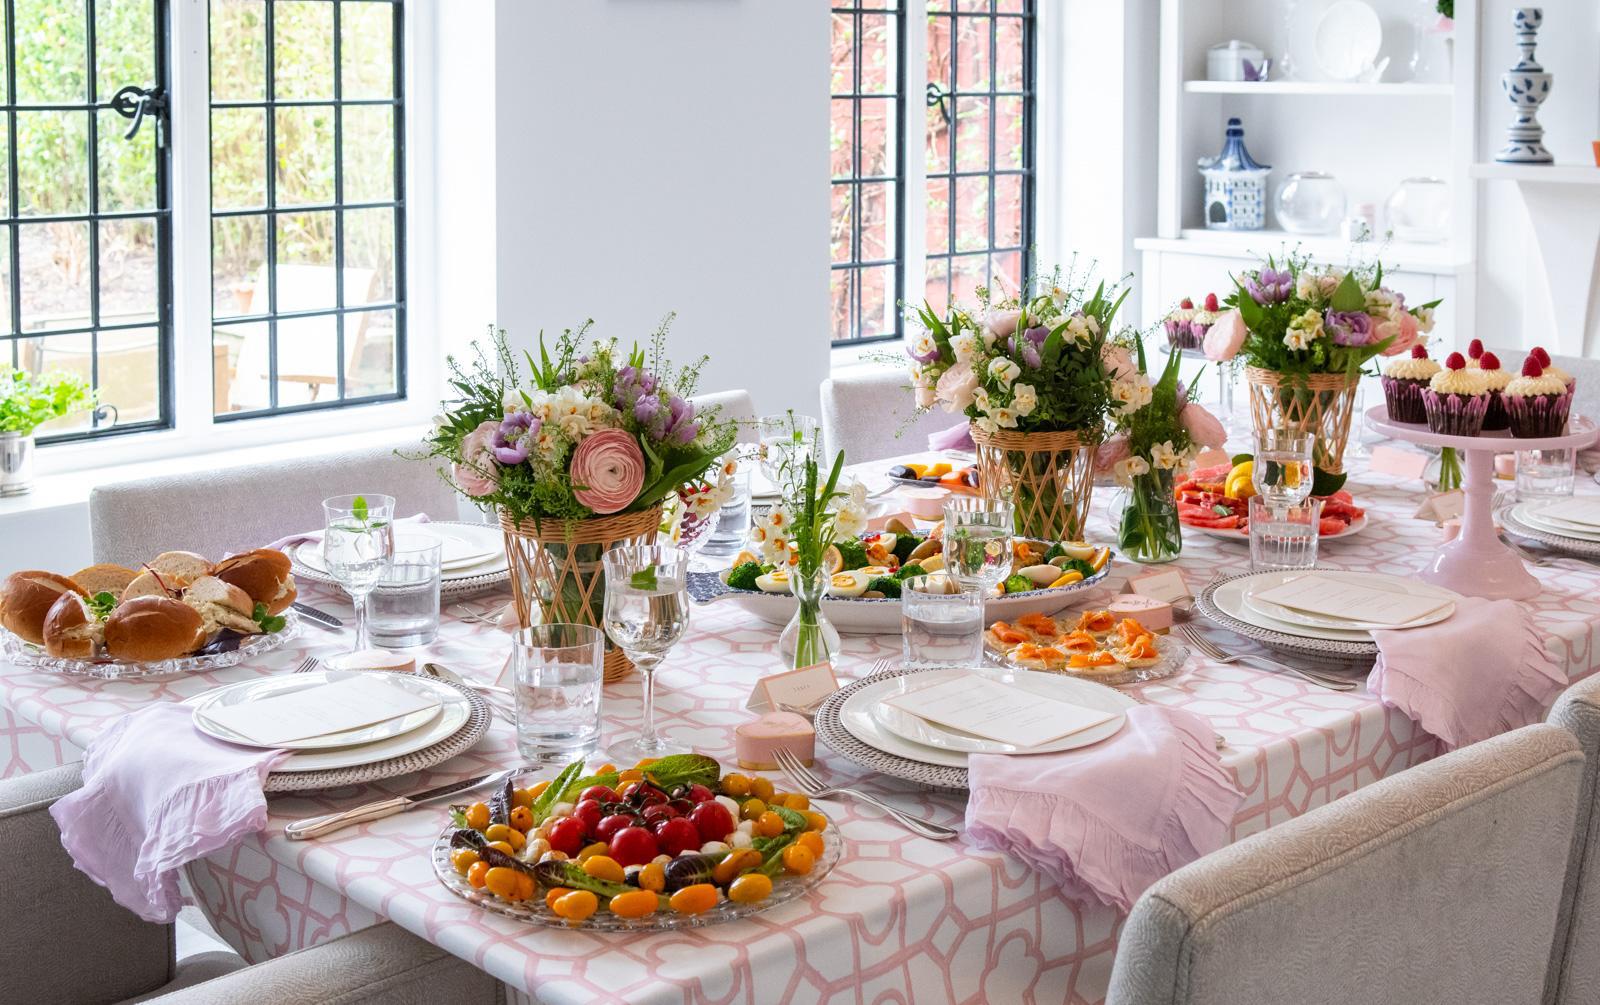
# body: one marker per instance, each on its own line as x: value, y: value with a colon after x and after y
x: 784, y: 889
x: 26, y: 654
x: 1171, y: 657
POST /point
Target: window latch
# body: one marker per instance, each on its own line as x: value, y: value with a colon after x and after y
x: 939, y: 98
x: 133, y: 101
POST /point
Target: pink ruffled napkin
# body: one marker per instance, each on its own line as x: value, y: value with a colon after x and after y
x: 158, y: 793
x: 1108, y: 820
x: 316, y: 535
x: 957, y: 437
x: 1479, y: 673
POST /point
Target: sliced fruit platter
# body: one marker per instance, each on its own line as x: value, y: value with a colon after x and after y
x: 939, y: 474
x: 1216, y: 500
x: 1095, y: 645
x: 867, y: 576
x: 669, y: 843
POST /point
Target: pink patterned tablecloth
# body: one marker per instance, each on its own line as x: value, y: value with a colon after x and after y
x: 901, y: 918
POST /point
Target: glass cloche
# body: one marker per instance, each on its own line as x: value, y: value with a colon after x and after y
x: 1310, y: 202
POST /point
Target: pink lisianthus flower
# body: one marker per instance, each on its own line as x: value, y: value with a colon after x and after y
x: 1203, y: 427
x: 607, y: 471
x: 1224, y: 338
x: 1118, y: 361
x: 476, y: 473
x: 1003, y: 323
x: 1109, y: 453
x: 1404, y: 328
x: 956, y: 387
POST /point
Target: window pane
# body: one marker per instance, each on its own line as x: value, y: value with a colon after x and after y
x: 366, y: 49
x: 1008, y: 53
x: 880, y: 47
x: 972, y: 134
x: 304, y: 155
x: 878, y: 223
x: 305, y: 269
x: 52, y: 52
x: 369, y: 339
x: 878, y: 301
x: 130, y: 373
x: 308, y: 359
x: 935, y: 287
x: 937, y: 229
x: 124, y: 46
x: 972, y: 213
x: 54, y: 266
x: 238, y: 50
x: 368, y: 257
x: 1008, y: 134
x: 880, y: 138
x: 5, y: 292
x: 844, y: 35
x: 1008, y: 211
x: 239, y: 265
x: 5, y: 158
x: 238, y: 158
x: 939, y: 134
x: 52, y: 163
x: 939, y: 52
x: 128, y: 275
x: 967, y: 273
x: 73, y: 354
x: 840, y: 232
x: 841, y: 291
x: 127, y: 168
x: 240, y: 381
x: 972, y: 53
x: 302, y: 49
x: 368, y: 153
x: 841, y: 136
x: 1006, y: 271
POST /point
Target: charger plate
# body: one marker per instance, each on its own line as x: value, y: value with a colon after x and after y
x: 1229, y: 611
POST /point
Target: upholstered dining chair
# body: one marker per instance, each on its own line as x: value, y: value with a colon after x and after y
x: 738, y: 406
x: 64, y: 940
x: 870, y: 415
x: 238, y: 508
x: 1575, y: 962
x: 1586, y: 398
x: 1440, y: 884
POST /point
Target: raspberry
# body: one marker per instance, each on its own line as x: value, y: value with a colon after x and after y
x: 1211, y: 303
x: 1489, y: 361
x: 1531, y: 367
x: 1455, y: 361
x: 1475, y: 348
x: 1186, y: 304
x: 1419, y: 352
x: 1543, y: 357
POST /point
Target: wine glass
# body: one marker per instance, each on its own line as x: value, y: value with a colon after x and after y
x: 646, y: 613
x: 977, y: 541
x: 1282, y: 470
x: 787, y: 440
x: 357, y: 547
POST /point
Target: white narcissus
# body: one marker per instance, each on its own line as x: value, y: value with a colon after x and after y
x: 1004, y: 370
x: 1164, y: 455
x: 1024, y: 399
x: 1129, y: 468
x: 965, y: 346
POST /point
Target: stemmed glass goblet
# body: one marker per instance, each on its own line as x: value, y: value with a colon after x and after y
x: 357, y: 547
x: 646, y: 613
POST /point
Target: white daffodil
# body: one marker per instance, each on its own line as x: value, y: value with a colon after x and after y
x: 1305, y: 286
x: 1129, y: 468
x: 965, y: 346
x: 1425, y: 319
x: 1024, y: 399
x: 1004, y: 370
x: 850, y: 521
x: 1078, y: 330
x: 980, y: 397
x: 1165, y: 455
x: 1005, y: 418
x: 1132, y: 394
x: 924, y: 346
x: 987, y: 424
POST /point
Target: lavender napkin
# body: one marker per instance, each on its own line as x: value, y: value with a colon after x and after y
x: 157, y: 794
x: 1481, y: 672
x: 293, y: 540
x: 957, y: 437
x: 1108, y: 820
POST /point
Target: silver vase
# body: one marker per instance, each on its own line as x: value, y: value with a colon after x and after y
x: 16, y: 464
x: 1526, y: 86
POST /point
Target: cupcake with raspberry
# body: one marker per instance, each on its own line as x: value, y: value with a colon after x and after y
x: 1551, y: 370
x: 1475, y: 354
x: 1177, y: 324
x: 1537, y: 402
x: 1456, y: 399
x: 1495, y: 379
x: 1404, y: 380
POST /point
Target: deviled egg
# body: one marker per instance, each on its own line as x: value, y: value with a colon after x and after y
x: 776, y: 581
x: 848, y: 584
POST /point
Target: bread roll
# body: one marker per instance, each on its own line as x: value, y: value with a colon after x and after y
x: 264, y: 574
x: 153, y: 628
x: 179, y: 568
x: 70, y: 631
x: 25, y: 600
x: 221, y: 605
x: 149, y: 583
x: 107, y: 578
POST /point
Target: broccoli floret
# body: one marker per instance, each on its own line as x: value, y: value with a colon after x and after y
x: 904, y: 545
x: 1077, y: 564
x: 853, y: 553
x: 908, y: 571
x: 743, y: 577
x: 1019, y: 584
x: 886, y: 585
x: 1054, y: 551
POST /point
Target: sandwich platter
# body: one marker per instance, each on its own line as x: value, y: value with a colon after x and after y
x: 229, y: 649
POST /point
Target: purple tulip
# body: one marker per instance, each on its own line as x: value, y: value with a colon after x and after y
x: 1270, y: 286
x: 1348, y: 328
x: 514, y: 439
x: 1030, y: 355
x: 646, y: 408
x: 1037, y: 335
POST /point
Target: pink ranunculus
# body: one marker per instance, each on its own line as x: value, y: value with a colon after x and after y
x: 1202, y: 426
x: 1119, y: 362
x: 956, y: 386
x: 1109, y: 453
x: 476, y: 473
x: 1406, y: 336
x: 607, y: 471
x: 1224, y: 338
x: 1003, y: 323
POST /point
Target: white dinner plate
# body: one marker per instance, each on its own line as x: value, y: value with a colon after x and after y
x: 454, y: 712
x: 1229, y: 598
x: 478, y: 549
x: 1529, y: 514
x: 1348, y: 37
x: 247, y: 691
x: 931, y: 734
x: 857, y: 712
x: 1377, y: 581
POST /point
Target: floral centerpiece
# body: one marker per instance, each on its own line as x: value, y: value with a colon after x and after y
x: 1029, y: 372
x: 577, y: 460
x: 28, y: 401
x: 692, y: 511
x: 1159, y: 431
x: 1305, y: 332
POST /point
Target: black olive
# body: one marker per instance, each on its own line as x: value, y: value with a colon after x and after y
x: 901, y: 471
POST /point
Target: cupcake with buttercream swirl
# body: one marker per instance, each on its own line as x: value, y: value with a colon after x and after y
x: 1551, y: 370
x: 1403, y: 382
x: 1537, y: 402
x: 1495, y: 380
x: 1456, y: 399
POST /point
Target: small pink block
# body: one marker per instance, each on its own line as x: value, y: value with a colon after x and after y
x: 1505, y: 466
x: 755, y: 742
x: 1155, y: 615
x: 925, y: 503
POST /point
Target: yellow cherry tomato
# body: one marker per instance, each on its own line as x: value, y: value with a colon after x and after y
x: 695, y: 899
x: 497, y: 832
x: 604, y: 867
x: 749, y: 888
x: 476, y: 875
x: 462, y: 859
x: 769, y: 824
x: 525, y: 886
x: 645, y: 762
x: 761, y: 788
x: 590, y: 850
x: 554, y: 894
x: 538, y: 790
x: 607, y: 769
x: 502, y: 883
x: 522, y: 818
x: 815, y: 821
x: 504, y: 846
x: 798, y: 859
x: 653, y: 877
x: 634, y: 904
x: 576, y: 906
x: 478, y: 816
x: 797, y: 801
x: 811, y: 840
x: 735, y: 785
x: 734, y: 863
x: 630, y: 775
x: 522, y: 798
x: 751, y: 809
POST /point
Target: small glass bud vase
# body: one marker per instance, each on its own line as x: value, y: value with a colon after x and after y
x: 1148, y: 529
x: 809, y: 638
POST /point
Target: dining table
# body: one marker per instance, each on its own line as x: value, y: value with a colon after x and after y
x: 900, y: 918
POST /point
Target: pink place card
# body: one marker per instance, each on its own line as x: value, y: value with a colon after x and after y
x: 1167, y: 585
x: 1397, y: 462
x: 1442, y: 506
x: 801, y: 688
x: 881, y: 522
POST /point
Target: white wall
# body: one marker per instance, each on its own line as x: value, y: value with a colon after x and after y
x: 658, y: 155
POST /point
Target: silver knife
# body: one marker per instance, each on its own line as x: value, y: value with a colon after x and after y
x: 322, y: 618
x: 310, y: 827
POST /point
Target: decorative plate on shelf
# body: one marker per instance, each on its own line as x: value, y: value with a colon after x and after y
x: 231, y: 650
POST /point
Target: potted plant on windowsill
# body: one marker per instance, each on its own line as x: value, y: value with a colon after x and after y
x: 28, y: 401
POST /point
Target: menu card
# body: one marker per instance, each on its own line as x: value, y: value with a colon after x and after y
x: 347, y: 703
x: 994, y: 710
x: 1581, y: 510
x: 1352, y: 600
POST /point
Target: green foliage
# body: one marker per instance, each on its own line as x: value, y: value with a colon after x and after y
x: 853, y: 552
x: 28, y: 401
x: 910, y: 571
x: 743, y: 577
x: 269, y: 622
x: 886, y: 585
x: 1446, y: 7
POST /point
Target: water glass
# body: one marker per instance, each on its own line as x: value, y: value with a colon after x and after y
x: 557, y: 672
x: 977, y: 541
x: 403, y: 609
x: 733, y: 520
x: 357, y: 544
x: 1283, y: 535
x: 787, y: 440
x: 1546, y: 474
x: 646, y: 613
x: 1282, y: 469
x: 938, y: 628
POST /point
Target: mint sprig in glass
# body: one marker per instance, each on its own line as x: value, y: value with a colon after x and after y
x: 357, y: 547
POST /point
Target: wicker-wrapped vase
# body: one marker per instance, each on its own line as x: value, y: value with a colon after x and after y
x: 1319, y: 403
x: 1047, y: 477
x: 556, y: 574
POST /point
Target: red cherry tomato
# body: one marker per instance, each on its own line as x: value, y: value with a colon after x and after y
x: 677, y: 836
x: 566, y: 835
x: 712, y: 820
x: 609, y: 827
x: 633, y: 846
x: 599, y: 793
x: 657, y: 813
x: 591, y: 813
x: 699, y: 793
x: 648, y: 795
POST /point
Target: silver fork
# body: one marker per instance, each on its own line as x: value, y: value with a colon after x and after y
x: 307, y: 665
x: 815, y: 788
x: 1210, y: 650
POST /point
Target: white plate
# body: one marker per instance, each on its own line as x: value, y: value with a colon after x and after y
x: 1393, y: 584
x: 1229, y: 598
x: 486, y: 541
x: 1529, y: 514
x: 447, y: 720
x: 856, y: 714
x: 327, y: 741
x: 931, y: 734
x: 1348, y: 37
x: 1243, y: 536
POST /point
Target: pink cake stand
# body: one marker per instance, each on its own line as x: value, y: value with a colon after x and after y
x: 1476, y: 563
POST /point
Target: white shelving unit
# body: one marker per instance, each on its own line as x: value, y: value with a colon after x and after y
x: 1370, y: 136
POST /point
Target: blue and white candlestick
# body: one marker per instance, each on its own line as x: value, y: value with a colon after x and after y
x: 1526, y: 85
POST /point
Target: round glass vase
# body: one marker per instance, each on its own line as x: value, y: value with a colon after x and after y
x: 809, y: 638
x: 1148, y: 529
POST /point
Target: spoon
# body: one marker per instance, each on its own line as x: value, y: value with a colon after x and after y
x: 451, y: 677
